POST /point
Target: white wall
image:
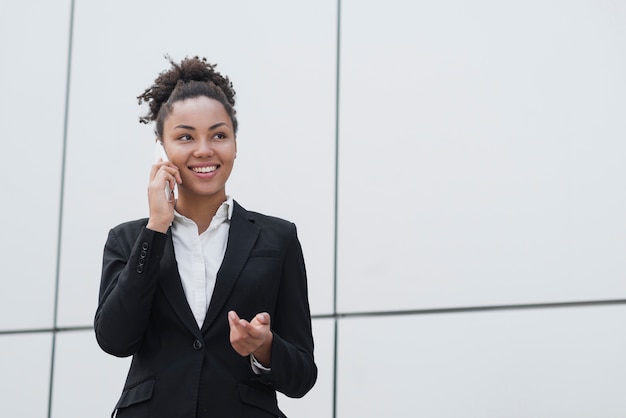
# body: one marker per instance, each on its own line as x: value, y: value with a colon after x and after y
x: 480, y: 164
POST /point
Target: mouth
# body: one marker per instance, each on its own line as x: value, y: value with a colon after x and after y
x: 204, y: 170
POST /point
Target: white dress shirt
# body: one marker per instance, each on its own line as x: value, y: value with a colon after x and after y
x: 199, y: 257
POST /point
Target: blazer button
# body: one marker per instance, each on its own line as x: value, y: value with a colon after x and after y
x: 197, y: 345
x: 144, y: 246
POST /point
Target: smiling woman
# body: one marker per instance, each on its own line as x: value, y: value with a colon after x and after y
x: 176, y: 287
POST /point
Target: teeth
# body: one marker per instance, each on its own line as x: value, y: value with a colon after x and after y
x: 204, y: 169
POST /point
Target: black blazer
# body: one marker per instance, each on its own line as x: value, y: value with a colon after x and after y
x: 179, y: 370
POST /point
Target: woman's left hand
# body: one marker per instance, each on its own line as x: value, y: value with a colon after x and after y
x: 254, y: 337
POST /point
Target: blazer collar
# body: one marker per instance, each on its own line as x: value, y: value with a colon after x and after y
x: 242, y: 236
x: 169, y: 280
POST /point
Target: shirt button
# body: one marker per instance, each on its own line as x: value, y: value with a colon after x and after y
x: 197, y: 345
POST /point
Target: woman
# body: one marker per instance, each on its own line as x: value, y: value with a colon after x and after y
x: 209, y: 298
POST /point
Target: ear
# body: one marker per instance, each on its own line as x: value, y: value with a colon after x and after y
x: 235, y: 146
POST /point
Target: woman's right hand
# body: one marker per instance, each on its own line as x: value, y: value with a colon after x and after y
x: 161, y: 208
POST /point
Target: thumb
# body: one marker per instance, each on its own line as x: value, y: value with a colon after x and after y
x: 263, y: 318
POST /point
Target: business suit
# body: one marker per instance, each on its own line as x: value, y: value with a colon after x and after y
x: 179, y: 370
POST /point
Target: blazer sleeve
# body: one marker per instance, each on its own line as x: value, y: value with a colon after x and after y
x: 130, y: 265
x: 293, y: 370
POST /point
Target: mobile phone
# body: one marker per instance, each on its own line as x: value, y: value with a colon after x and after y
x: 160, y: 154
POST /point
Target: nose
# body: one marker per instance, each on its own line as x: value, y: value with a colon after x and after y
x: 204, y: 148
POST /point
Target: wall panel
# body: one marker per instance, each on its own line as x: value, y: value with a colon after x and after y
x: 33, y: 45
x: 87, y: 381
x: 25, y: 374
x: 516, y: 364
x: 481, y: 153
x: 319, y: 401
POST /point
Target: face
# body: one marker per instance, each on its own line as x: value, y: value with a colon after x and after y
x: 199, y: 139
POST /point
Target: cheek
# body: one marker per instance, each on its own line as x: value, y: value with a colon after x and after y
x: 229, y: 155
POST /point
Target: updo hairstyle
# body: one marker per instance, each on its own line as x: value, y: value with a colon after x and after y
x: 193, y: 77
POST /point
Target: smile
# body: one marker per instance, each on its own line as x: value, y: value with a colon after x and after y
x: 204, y: 169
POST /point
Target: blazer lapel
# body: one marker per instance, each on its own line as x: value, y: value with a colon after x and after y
x: 242, y: 236
x: 170, y: 282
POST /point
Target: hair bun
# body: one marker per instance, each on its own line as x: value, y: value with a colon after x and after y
x: 189, y: 70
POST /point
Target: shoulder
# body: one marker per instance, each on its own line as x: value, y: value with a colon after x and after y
x: 271, y: 232
x: 265, y: 222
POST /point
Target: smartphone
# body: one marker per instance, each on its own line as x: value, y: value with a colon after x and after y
x: 160, y: 154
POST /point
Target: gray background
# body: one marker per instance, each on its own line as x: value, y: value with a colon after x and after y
x: 455, y: 168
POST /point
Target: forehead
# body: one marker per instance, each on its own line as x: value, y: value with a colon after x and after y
x: 199, y: 110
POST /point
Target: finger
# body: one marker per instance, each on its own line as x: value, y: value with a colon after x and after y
x: 236, y: 322
x: 177, y: 176
x: 157, y: 165
x: 154, y: 170
x: 157, y: 173
x: 263, y: 318
x: 173, y: 173
x: 232, y: 317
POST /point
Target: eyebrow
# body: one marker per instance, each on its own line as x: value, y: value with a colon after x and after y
x: 191, y: 128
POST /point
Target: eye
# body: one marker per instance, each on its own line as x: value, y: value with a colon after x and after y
x: 185, y: 137
x: 220, y: 136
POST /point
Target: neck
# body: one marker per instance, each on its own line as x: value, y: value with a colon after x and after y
x: 200, y: 209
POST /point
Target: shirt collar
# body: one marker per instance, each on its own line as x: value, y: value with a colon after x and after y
x: 227, y: 207
x: 225, y: 211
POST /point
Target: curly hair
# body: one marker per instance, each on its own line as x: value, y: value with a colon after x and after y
x: 193, y: 77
